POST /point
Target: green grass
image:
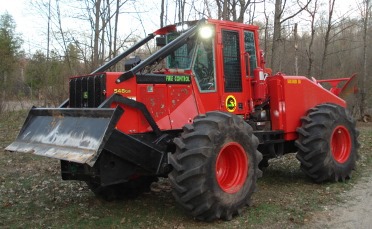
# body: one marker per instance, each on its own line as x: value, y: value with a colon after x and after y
x: 32, y: 195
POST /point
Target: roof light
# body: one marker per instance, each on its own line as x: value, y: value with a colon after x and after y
x: 206, y: 32
x: 181, y: 28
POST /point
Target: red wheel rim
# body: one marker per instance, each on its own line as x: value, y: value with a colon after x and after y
x: 341, y: 144
x: 231, y: 167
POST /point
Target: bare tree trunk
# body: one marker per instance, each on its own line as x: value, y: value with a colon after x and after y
x: 266, y: 28
x: 280, y: 5
x: 363, y: 105
x: 225, y: 11
x: 109, y: 31
x: 48, y: 35
x: 327, y: 37
x: 252, y: 13
x: 296, y: 49
x: 97, y: 18
x: 208, y: 9
x: 181, y: 10
x: 162, y: 14
x: 232, y: 9
x: 243, y: 8
x: 114, y: 52
x: 67, y: 56
x: 276, y: 36
x: 102, y: 32
x: 219, y: 9
x: 310, y: 48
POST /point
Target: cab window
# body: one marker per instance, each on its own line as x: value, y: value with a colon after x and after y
x: 250, y: 47
x: 198, y: 55
x: 182, y: 57
x: 231, y: 61
x: 204, y: 69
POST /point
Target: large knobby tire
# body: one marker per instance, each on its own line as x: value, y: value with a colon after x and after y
x: 130, y: 189
x: 327, y: 143
x: 215, y: 166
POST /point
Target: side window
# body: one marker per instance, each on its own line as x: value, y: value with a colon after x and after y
x: 250, y: 47
x: 204, y: 68
x: 231, y: 61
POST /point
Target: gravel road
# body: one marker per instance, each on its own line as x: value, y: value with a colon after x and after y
x: 355, y: 212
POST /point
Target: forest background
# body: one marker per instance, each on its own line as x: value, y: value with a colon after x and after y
x: 313, y: 38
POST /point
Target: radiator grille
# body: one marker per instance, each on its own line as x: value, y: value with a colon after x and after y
x: 87, y: 91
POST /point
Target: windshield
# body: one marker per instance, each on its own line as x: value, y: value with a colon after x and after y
x: 182, y: 57
x: 196, y: 55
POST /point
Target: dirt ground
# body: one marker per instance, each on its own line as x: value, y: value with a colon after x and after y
x: 17, y: 105
x: 32, y: 195
x: 355, y: 212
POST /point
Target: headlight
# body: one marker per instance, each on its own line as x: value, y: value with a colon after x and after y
x: 206, y: 32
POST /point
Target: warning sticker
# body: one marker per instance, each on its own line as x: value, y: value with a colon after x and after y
x: 230, y: 103
x: 294, y: 81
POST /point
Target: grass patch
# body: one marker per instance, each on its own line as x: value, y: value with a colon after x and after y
x: 32, y: 194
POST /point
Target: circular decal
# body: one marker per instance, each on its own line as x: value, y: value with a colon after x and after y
x: 230, y: 103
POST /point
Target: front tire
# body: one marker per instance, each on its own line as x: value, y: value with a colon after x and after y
x: 215, y: 166
x: 327, y: 143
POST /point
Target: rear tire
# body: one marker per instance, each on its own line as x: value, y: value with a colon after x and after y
x: 215, y: 166
x: 327, y: 143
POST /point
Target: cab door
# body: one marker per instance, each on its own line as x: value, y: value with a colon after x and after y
x: 235, y: 89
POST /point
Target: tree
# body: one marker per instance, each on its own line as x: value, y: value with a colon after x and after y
x: 310, y: 54
x: 279, y: 19
x: 46, y: 78
x: 10, y: 44
x: 162, y: 10
x: 98, y: 38
x: 327, y: 39
x: 95, y: 23
x: 180, y: 5
x: 36, y: 72
x: 100, y: 13
x: 72, y: 59
x: 365, y: 18
x: 233, y: 10
x: 296, y: 48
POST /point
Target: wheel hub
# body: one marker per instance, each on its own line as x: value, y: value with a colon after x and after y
x: 341, y: 144
x: 231, y: 167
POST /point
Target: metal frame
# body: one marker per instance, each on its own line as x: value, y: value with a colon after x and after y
x: 162, y: 53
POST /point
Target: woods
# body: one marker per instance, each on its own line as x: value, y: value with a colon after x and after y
x: 314, y: 38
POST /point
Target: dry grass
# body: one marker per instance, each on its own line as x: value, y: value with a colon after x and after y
x: 32, y: 194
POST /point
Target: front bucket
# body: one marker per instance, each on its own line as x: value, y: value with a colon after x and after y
x: 71, y: 134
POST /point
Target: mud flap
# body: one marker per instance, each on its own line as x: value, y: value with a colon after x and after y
x: 70, y: 134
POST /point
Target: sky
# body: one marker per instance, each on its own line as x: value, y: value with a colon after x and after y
x: 24, y: 20
x: 32, y: 27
